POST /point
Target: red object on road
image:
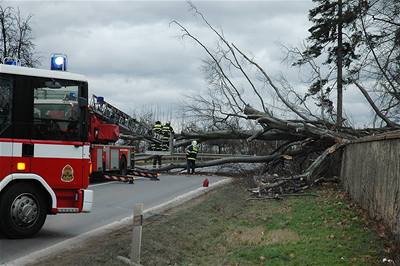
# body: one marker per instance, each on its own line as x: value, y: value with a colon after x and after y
x: 205, y: 182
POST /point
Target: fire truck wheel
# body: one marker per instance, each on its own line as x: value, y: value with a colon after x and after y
x: 23, y: 210
x: 123, y: 167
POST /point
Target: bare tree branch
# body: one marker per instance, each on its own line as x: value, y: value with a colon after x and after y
x: 376, y: 109
x: 290, y: 106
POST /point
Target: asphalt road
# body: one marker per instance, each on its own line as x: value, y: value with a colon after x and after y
x: 112, y: 202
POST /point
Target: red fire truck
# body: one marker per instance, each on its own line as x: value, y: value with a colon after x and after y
x: 108, y: 126
x: 44, y: 147
x: 106, y: 122
x: 51, y: 138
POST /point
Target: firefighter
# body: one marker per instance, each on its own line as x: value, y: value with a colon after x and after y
x: 157, y: 130
x: 191, y: 154
x: 166, y: 133
x: 157, y: 127
x: 157, y: 133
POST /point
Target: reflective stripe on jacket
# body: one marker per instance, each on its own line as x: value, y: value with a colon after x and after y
x: 166, y: 132
x: 157, y: 128
x: 191, y: 152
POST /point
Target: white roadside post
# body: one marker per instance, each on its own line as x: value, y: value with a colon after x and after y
x: 136, y: 236
x: 137, y: 233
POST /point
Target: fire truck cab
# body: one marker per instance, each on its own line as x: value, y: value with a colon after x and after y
x: 44, y: 148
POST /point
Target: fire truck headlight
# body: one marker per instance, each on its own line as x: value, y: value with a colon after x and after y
x: 20, y: 166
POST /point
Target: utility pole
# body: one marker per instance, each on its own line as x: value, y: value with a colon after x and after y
x: 339, y: 103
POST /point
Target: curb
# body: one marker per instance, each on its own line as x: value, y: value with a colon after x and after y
x: 83, y: 238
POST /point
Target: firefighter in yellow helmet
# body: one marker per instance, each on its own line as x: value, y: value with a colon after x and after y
x: 191, y: 154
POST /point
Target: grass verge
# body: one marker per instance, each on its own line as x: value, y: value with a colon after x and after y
x: 223, y: 228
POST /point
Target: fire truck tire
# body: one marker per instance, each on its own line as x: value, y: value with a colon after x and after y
x: 23, y: 210
x: 123, y: 167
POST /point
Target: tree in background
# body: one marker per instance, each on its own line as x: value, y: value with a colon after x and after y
x: 379, y: 70
x: 241, y: 89
x: 334, y: 37
x: 16, y: 36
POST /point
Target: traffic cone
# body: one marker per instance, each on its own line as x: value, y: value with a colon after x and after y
x: 205, y: 182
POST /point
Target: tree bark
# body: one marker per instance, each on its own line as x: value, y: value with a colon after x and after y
x: 282, y: 153
x: 273, y: 134
x: 339, y: 103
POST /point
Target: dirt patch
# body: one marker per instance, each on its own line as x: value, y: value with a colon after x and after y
x: 259, y: 236
x: 246, y: 236
x: 282, y: 236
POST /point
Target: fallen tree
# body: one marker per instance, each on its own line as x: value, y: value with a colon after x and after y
x: 292, y: 121
x: 281, y: 153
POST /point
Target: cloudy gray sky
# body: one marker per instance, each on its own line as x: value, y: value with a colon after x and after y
x: 134, y: 58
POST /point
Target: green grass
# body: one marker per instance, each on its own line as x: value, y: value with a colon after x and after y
x: 328, y: 236
x: 223, y: 228
x: 328, y: 233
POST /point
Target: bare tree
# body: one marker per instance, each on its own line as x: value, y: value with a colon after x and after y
x: 17, y: 36
x: 7, y: 25
x: 241, y: 90
x: 376, y: 71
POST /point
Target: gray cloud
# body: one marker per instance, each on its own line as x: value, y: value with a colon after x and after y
x: 133, y: 57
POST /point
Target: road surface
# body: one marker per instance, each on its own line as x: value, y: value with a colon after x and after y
x: 112, y: 201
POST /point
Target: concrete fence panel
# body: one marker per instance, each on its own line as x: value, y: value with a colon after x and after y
x: 371, y: 175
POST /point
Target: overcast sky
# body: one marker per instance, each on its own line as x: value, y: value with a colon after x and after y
x: 134, y: 58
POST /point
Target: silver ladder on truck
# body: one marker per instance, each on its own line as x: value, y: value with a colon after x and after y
x: 130, y: 127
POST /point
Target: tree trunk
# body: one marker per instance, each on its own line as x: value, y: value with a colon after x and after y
x: 339, y: 114
x: 4, y: 36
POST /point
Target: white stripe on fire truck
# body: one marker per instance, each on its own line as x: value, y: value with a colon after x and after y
x: 60, y: 151
x: 6, y: 149
x: 46, y: 150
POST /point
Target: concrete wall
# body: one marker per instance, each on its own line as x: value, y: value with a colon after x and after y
x: 371, y: 174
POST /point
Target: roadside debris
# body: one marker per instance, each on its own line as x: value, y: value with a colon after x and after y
x: 388, y: 261
x: 276, y: 187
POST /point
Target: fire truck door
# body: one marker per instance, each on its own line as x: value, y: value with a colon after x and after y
x: 61, y: 162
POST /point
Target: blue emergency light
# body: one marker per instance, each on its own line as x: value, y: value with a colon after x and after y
x: 100, y: 99
x: 12, y: 61
x: 59, y: 62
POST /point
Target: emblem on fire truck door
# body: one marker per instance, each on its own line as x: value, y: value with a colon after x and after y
x: 67, y: 174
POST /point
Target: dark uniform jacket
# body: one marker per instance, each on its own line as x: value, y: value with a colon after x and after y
x: 166, y: 132
x: 191, y: 152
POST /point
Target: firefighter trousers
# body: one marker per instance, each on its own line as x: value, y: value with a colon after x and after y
x: 157, y: 160
x: 190, y: 166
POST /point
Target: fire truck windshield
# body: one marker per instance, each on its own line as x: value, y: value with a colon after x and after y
x: 34, y: 108
x: 56, y: 111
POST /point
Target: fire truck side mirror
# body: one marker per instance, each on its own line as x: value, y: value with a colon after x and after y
x: 83, y: 102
